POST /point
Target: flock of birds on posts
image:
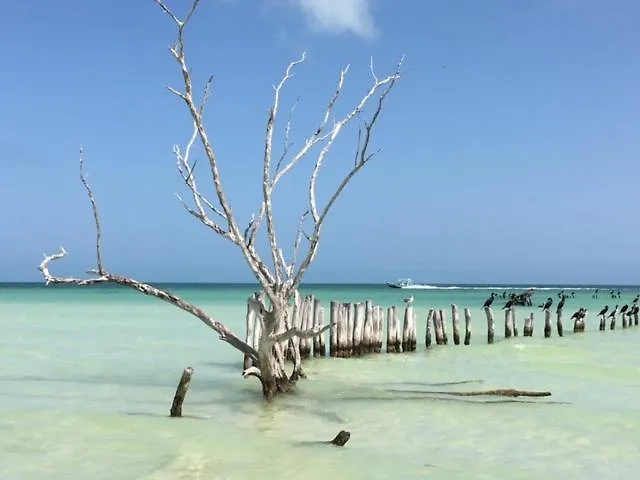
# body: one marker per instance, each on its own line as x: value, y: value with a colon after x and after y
x: 581, y: 313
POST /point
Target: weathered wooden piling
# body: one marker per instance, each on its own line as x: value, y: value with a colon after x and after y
x: 624, y: 320
x: 251, y: 325
x: 349, y: 312
x: 467, y: 326
x: 603, y: 323
x: 334, y: 318
x: 636, y: 317
x: 437, y: 327
x: 559, y: 322
x: 508, y: 322
x: 358, y: 328
x: 343, y: 331
x: 443, y: 322
x: 514, y: 322
x: 409, y: 330
x: 490, y: 324
x: 379, y: 328
x: 392, y: 329
x: 547, y: 323
x: 181, y: 392
x: 612, y: 325
x: 367, y: 337
x: 579, y: 322
x: 306, y: 323
x: 455, y: 320
x: 527, y: 331
x: 318, y: 322
x: 427, y: 333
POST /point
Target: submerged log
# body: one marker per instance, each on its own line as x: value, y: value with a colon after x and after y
x: 341, y: 438
x: 456, y: 324
x: 181, y: 392
x: 467, y: 326
x: 500, y: 392
x: 490, y: 324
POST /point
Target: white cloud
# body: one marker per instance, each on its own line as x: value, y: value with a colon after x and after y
x: 338, y: 16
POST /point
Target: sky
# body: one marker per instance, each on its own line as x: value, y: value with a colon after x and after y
x: 509, y: 150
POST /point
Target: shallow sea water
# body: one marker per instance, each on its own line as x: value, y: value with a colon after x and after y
x: 87, y: 377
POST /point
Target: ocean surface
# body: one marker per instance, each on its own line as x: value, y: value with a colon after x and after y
x: 87, y: 376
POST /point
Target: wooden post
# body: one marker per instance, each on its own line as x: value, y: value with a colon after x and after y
x: 437, y: 327
x: 251, y: 325
x: 427, y: 335
x: 547, y: 323
x: 379, y: 325
x: 181, y: 392
x: 467, y: 326
x: 612, y: 325
x: 578, y: 324
x: 443, y: 324
x: 527, y: 331
x: 391, y: 329
x: 603, y: 323
x: 306, y: 323
x: 349, y: 312
x: 407, y: 328
x: 508, y: 327
x: 358, y: 328
x: 558, y: 322
x: 367, y: 337
x: 456, y: 324
x: 624, y: 320
x: 334, y: 318
x: 490, y: 324
x: 635, y: 317
x: 514, y: 322
x: 318, y: 322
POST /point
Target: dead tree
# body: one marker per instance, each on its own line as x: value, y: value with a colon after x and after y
x: 280, y: 279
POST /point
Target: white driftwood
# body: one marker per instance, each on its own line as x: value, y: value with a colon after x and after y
x: 281, y: 280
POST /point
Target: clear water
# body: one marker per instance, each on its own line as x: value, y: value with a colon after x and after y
x: 87, y: 377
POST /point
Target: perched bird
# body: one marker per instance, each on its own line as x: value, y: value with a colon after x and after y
x: 561, y: 304
x: 579, y: 314
x: 508, y: 304
x: 409, y: 299
x: 489, y: 300
x: 613, y: 312
x: 635, y: 300
x: 547, y: 304
x: 624, y: 309
x: 604, y: 311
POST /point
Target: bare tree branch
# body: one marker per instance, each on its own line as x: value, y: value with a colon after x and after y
x: 96, y: 217
x: 295, y: 332
x: 104, y: 277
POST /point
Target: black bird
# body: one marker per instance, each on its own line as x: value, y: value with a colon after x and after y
x: 604, y: 310
x: 561, y: 304
x: 547, y: 304
x: 613, y: 312
x: 508, y: 304
x: 635, y: 300
x: 489, y: 300
x: 580, y: 313
x: 624, y: 309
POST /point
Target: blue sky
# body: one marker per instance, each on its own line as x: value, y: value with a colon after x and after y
x: 510, y: 149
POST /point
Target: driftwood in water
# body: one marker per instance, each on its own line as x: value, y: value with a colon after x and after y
x: 508, y: 322
x: 547, y: 323
x: 181, y: 392
x: 490, y: 324
x: 500, y: 392
x: 559, y: 322
x: 334, y: 315
x: 455, y: 319
x: 467, y: 326
x: 341, y: 438
x: 527, y: 331
x: 427, y: 334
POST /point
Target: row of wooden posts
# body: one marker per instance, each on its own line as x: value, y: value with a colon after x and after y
x: 358, y: 328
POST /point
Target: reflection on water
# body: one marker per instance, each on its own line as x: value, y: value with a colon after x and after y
x: 86, y: 398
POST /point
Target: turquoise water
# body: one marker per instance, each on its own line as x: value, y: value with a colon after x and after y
x: 88, y: 375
